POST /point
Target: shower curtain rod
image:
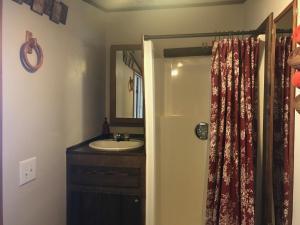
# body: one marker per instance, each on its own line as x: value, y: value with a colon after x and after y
x: 214, y: 34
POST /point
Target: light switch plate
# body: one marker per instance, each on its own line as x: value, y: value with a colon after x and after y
x: 27, y: 170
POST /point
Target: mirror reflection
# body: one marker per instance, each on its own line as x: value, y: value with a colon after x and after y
x: 129, y: 84
x: 282, y: 120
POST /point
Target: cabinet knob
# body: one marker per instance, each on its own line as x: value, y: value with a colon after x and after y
x: 136, y: 200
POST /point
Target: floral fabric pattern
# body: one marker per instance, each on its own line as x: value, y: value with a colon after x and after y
x: 230, y: 199
x: 281, y: 169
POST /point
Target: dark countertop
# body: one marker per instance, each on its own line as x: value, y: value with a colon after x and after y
x: 83, y: 148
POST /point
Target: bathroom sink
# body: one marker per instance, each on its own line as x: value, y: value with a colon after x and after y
x: 112, y: 145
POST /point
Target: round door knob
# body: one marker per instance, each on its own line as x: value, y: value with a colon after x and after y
x: 201, y: 131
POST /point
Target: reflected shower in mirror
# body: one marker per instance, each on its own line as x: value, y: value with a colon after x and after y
x: 127, y: 100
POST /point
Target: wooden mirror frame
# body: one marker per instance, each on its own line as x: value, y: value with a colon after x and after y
x: 267, y: 183
x: 131, y: 122
x: 267, y: 190
x: 292, y: 6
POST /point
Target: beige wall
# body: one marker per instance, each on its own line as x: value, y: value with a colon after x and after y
x: 256, y: 11
x: 63, y: 103
x: 296, y: 204
x: 43, y: 113
x: 128, y: 27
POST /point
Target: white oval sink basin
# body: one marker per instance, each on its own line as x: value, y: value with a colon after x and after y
x: 111, y: 145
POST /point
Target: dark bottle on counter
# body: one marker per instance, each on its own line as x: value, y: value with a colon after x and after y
x: 105, y: 129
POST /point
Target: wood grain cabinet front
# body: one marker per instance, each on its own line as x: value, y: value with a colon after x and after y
x: 105, y: 176
x: 108, y: 209
x: 106, y: 193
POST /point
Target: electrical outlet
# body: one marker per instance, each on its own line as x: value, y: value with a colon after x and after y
x: 27, y: 170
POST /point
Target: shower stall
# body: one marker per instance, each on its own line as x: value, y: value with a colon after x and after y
x: 177, y: 93
x: 226, y: 90
x: 189, y: 178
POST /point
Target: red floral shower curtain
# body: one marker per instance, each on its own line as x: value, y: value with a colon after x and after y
x: 281, y: 169
x: 230, y: 199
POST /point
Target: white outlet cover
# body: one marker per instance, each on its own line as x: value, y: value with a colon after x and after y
x: 27, y: 170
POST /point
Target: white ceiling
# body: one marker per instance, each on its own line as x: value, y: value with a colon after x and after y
x: 123, y: 5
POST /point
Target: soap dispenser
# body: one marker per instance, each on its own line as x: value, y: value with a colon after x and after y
x: 105, y: 129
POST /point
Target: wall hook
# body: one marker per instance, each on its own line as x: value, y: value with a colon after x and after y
x: 28, y: 47
x: 130, y: 84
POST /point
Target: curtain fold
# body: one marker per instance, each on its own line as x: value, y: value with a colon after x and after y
x: 281, y: 169
x: 230, y: 199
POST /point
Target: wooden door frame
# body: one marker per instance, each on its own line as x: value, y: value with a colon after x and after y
x: 267, y: 28
x: 1, y: 118
x: 292, y: 6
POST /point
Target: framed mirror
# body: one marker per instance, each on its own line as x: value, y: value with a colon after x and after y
x: 126, y: 85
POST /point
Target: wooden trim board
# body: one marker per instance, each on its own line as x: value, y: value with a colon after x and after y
x: 1, y: 118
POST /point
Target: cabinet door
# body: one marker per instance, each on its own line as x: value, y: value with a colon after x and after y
x: 74, y: 208
x: 131, y: 210
x: 110, y: 209
x: 89, y: 208
x: 83, y: 208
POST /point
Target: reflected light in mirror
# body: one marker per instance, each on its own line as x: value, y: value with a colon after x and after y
x: 179, y: 64
x: 174, y: 72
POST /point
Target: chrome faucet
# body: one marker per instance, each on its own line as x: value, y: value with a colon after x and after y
x: 118, y: 137
x: 121, y: 137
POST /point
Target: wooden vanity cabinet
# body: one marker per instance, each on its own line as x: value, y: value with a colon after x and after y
x: 104, y: 189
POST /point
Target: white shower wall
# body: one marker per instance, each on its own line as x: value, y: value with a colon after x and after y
x: 181, y: 159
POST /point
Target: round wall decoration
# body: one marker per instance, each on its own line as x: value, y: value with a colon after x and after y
x: 29, y: 47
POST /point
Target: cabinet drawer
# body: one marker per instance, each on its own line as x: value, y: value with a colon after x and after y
x: 105, y: 176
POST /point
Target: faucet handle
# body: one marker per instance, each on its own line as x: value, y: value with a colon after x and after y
x: 118, y: 136
x: 127, y: 137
